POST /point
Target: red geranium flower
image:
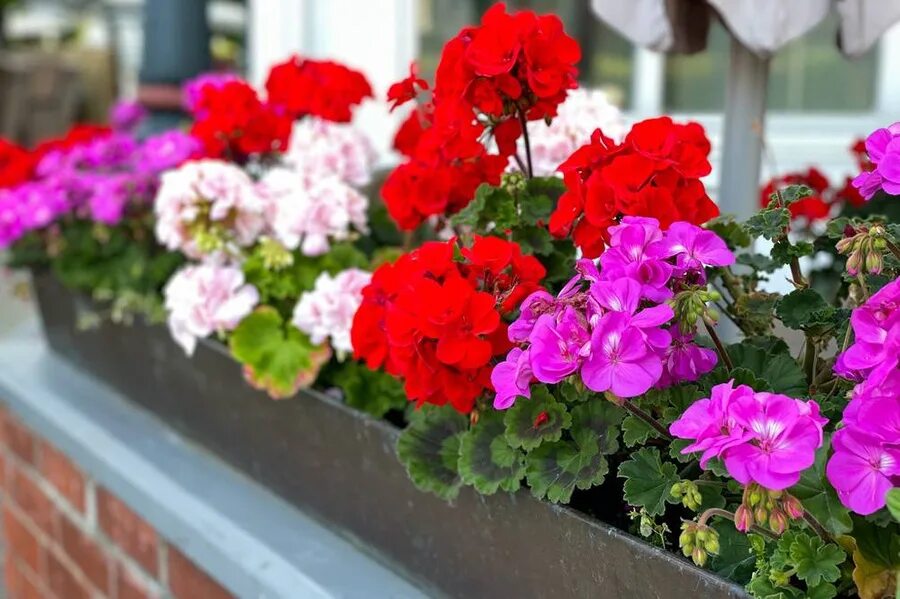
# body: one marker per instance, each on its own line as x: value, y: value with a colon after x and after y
x: 435, y: 322
x: 654, y: 172
x: 407, y: 89
x: 812, y: 208
x: 16, y: 164
x: 324, y: 89
x: 235, y: 123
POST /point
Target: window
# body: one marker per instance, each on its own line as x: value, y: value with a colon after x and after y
x: 809, y: 74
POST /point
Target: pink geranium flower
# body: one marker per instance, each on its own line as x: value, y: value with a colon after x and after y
x: 557, y: 348
x: 863, y: 469
x: 512, y: 379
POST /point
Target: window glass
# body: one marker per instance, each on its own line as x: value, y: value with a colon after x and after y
x: 809, y: 74
x: 606, y: 56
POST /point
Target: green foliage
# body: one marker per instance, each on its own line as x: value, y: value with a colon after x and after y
x: 798, y: 554
x: 736, y: 559
x: 635, y: 431
x: 893, y: 503
x: 756, y: 310
x: 372, y: 391
x: 429, y: 449
x: 784, y: 251
x: 278, y: 358
x: 282, y: 287
x: 815, y: 561
x: 531, y: 422
x: 778, y: 369
x: 486, y: 460
x: 758, y: 262
x: 731, y: 231
x: 770, y: 223
x: 648, y: 480
x: 880, y: 545
x: 803, y: 308
x: 555, y: 469
x: 819, y: 497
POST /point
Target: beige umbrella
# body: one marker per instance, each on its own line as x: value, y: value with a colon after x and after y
x: 759, y: 28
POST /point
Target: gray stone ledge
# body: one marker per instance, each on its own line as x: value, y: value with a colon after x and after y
x: 252, y: 542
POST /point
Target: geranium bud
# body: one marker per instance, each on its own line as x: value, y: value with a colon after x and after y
x: 743, y: 519
x: 712, y: 545
x: 874, y: 262
x: 699, y: 556
x: 778, y: 522
x: 760, y: 514
x: 792, y: 507
x: 755, y: 496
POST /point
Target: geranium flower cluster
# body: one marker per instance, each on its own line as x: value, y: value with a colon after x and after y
x: 208, y: 206
x: 611, y: 325
x: 97, y: 176
x: 202, y: 299
x: 883, y: 149
x: 654, y: 172
x: 324, y: 148
x: 763, y: 438
x: 866, y: 459
x: 491, y: 78
x: 434, y: 321
x: 577, y: 118
x: 324, y: 89
x: 326, y: 312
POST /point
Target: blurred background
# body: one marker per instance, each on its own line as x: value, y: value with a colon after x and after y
x: 66, y: 60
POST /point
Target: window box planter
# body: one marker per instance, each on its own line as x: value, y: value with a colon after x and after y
x: 339, y: 465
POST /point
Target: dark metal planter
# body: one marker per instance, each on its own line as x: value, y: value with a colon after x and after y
x: 340, y: 465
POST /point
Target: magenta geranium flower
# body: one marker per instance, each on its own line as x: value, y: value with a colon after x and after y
x: 694, y: 247
x: 762, y: 438
x: 710, y: 424
x: 512, y: 378
x: 558, y: 347
x: 783, y: 441
x: 621, y: 360
x: 684, y: 360
x: 883, y: 148
x: 862, y: 469
x: 539, y: 302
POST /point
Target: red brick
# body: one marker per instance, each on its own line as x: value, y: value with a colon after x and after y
x: 19, y: 439
x: 18, y: 585
x: 129, y: 587
x: 19, y: 541
x: 187, y: 581
x: 62, y: 581
x: 34, y: 502
x: 63, y: 475
x: 128, y: 530
x: 86, y: 554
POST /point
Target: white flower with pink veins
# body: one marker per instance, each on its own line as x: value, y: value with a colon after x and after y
x: 203, y: 299
x: 310, y: 210
x: 211, y: 195
x: 579, y: 116
x: 339, y: 149
x: 326, y: 312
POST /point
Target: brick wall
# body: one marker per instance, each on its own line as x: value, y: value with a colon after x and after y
x: 67, y: 537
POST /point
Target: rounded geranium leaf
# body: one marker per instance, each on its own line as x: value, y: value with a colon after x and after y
x: 531, y: 422
x: 429, y: 449
x: 486, y: 460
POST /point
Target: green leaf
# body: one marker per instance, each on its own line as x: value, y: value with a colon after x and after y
x: 758, y: 262
x: 815, y: 561
x: 429, y: 449
x: 486, y: 461
x: 788, y: 195
x: 736, y: 560
x: 757, y: 310
x: 878, y: 544
x: 823, y: 590
x: 555, y: 469
x: 803, y: 308
x: 835, y: 227
x: 784, y: 251
x: 745, y: 376
x: 648, y: 480
x: 635, y: 431
x: 531, y: 422
x: 533, y: 239
x: 769, y: 223
x: 278, y: 358
x: 599, y: 418
x: 539, y: 199
x: 491, y: 206
x: 731, y: 231
x: 893, y: 503
x: 819, y: 497
x: 372, y: 391
x: 780, y: 370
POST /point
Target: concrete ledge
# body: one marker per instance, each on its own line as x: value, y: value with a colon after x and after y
x: 252, y: 542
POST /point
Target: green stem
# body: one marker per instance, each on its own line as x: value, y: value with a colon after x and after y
x: 818, y: 528
x: 723, y: 355
x: 809, y: 359
x: 637, y: 412
x: 714, y: 511
x: 524, y: 121
x: 797, y: 275
x: 893, y: 247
